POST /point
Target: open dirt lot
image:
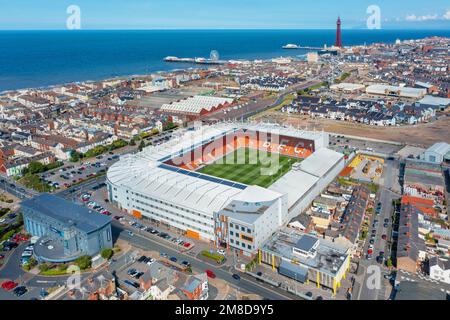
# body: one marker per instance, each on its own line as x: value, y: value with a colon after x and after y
x: 421, y: 135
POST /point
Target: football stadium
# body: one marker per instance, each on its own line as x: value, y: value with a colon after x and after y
x: 233, y: 184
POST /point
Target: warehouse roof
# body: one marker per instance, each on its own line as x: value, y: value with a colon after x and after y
x: 401, y: 91
x: 347, y: 86
x: 67, y: 212
x: 196, y: 104
x: 435, y: 101
x: 440, y: 148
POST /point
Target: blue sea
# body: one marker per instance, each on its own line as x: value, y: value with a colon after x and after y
x: 43, y: 58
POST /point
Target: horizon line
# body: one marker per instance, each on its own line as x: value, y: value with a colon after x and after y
x: 213, y: 29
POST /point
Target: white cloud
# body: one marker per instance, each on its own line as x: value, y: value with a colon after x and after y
x: 428, y: 17
x: 446, y: 15
x: 411, y: 17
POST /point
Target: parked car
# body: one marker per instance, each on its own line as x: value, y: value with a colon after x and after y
x: 236, y: 277
x: 142, y: 259
x: 9, y: 285
x: 186, y: 263
x: 173, y: 259
x: 384, y: 237
x: 210, y: 274
x: 11, y: 215
x: 20, y: 291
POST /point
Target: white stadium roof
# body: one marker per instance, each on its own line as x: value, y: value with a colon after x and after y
x: 320, y: 162
x: 295, y: 184
x: 146, y: 177
x: 145, y: 173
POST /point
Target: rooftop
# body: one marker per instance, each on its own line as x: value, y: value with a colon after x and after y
x: 68, y: 213
x: 329, y: 257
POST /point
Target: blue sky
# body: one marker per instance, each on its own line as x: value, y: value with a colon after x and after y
x: 212, y: 14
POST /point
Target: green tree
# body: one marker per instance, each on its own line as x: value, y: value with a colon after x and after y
x: 141, y: 146
x: 169, y: 125
x: 30, y: 264
x: 117, y: 144
x: 75, y: 156
x: 107, y: 253
x: 389, y: 262
x: 62, y: 267
x: 8, y: 235
x: 84, y: 262
x: 44, y: 267
x: 33, y: 181
x: 35, y: 167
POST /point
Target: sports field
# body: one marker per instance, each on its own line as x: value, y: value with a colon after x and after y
x: 250, y: 166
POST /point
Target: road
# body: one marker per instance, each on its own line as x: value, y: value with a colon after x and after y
x: 67, y: 193
x: 255, y: 107
x: 246, y: 283
x: 16, y: 189
x: 389, y: 177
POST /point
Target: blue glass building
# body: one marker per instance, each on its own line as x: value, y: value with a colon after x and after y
x: 66, y: 230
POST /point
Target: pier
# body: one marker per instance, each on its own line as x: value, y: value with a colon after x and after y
x: 195, y: 60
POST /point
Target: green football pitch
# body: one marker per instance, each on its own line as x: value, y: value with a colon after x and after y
x: 250, y: 166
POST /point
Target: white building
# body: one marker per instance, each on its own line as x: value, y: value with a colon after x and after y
x: 395, y: 91
x: 439, y: 269
x: 197, y: 105
x: 312, y: 57
x: 347, y: 87
x: 437, y: 152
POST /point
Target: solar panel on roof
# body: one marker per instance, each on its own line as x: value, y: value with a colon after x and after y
x: 212, y: 179
x: 228, y: 183
x: 167, y: 167
x: 193, y: 174
x: 164, y: 159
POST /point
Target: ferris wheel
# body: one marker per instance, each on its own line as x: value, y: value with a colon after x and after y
x: 214, y: 55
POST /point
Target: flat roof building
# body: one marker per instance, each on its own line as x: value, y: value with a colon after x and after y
x: 66, y: 230
x: 347, y: 87
x: 394, y: 91
x: 305, y: 258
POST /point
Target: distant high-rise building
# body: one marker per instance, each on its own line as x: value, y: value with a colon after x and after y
x: 338, y: 33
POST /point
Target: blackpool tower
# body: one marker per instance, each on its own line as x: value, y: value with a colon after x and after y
x: 338, y: 33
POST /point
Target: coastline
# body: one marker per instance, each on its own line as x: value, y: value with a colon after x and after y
x: 66, y: 57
